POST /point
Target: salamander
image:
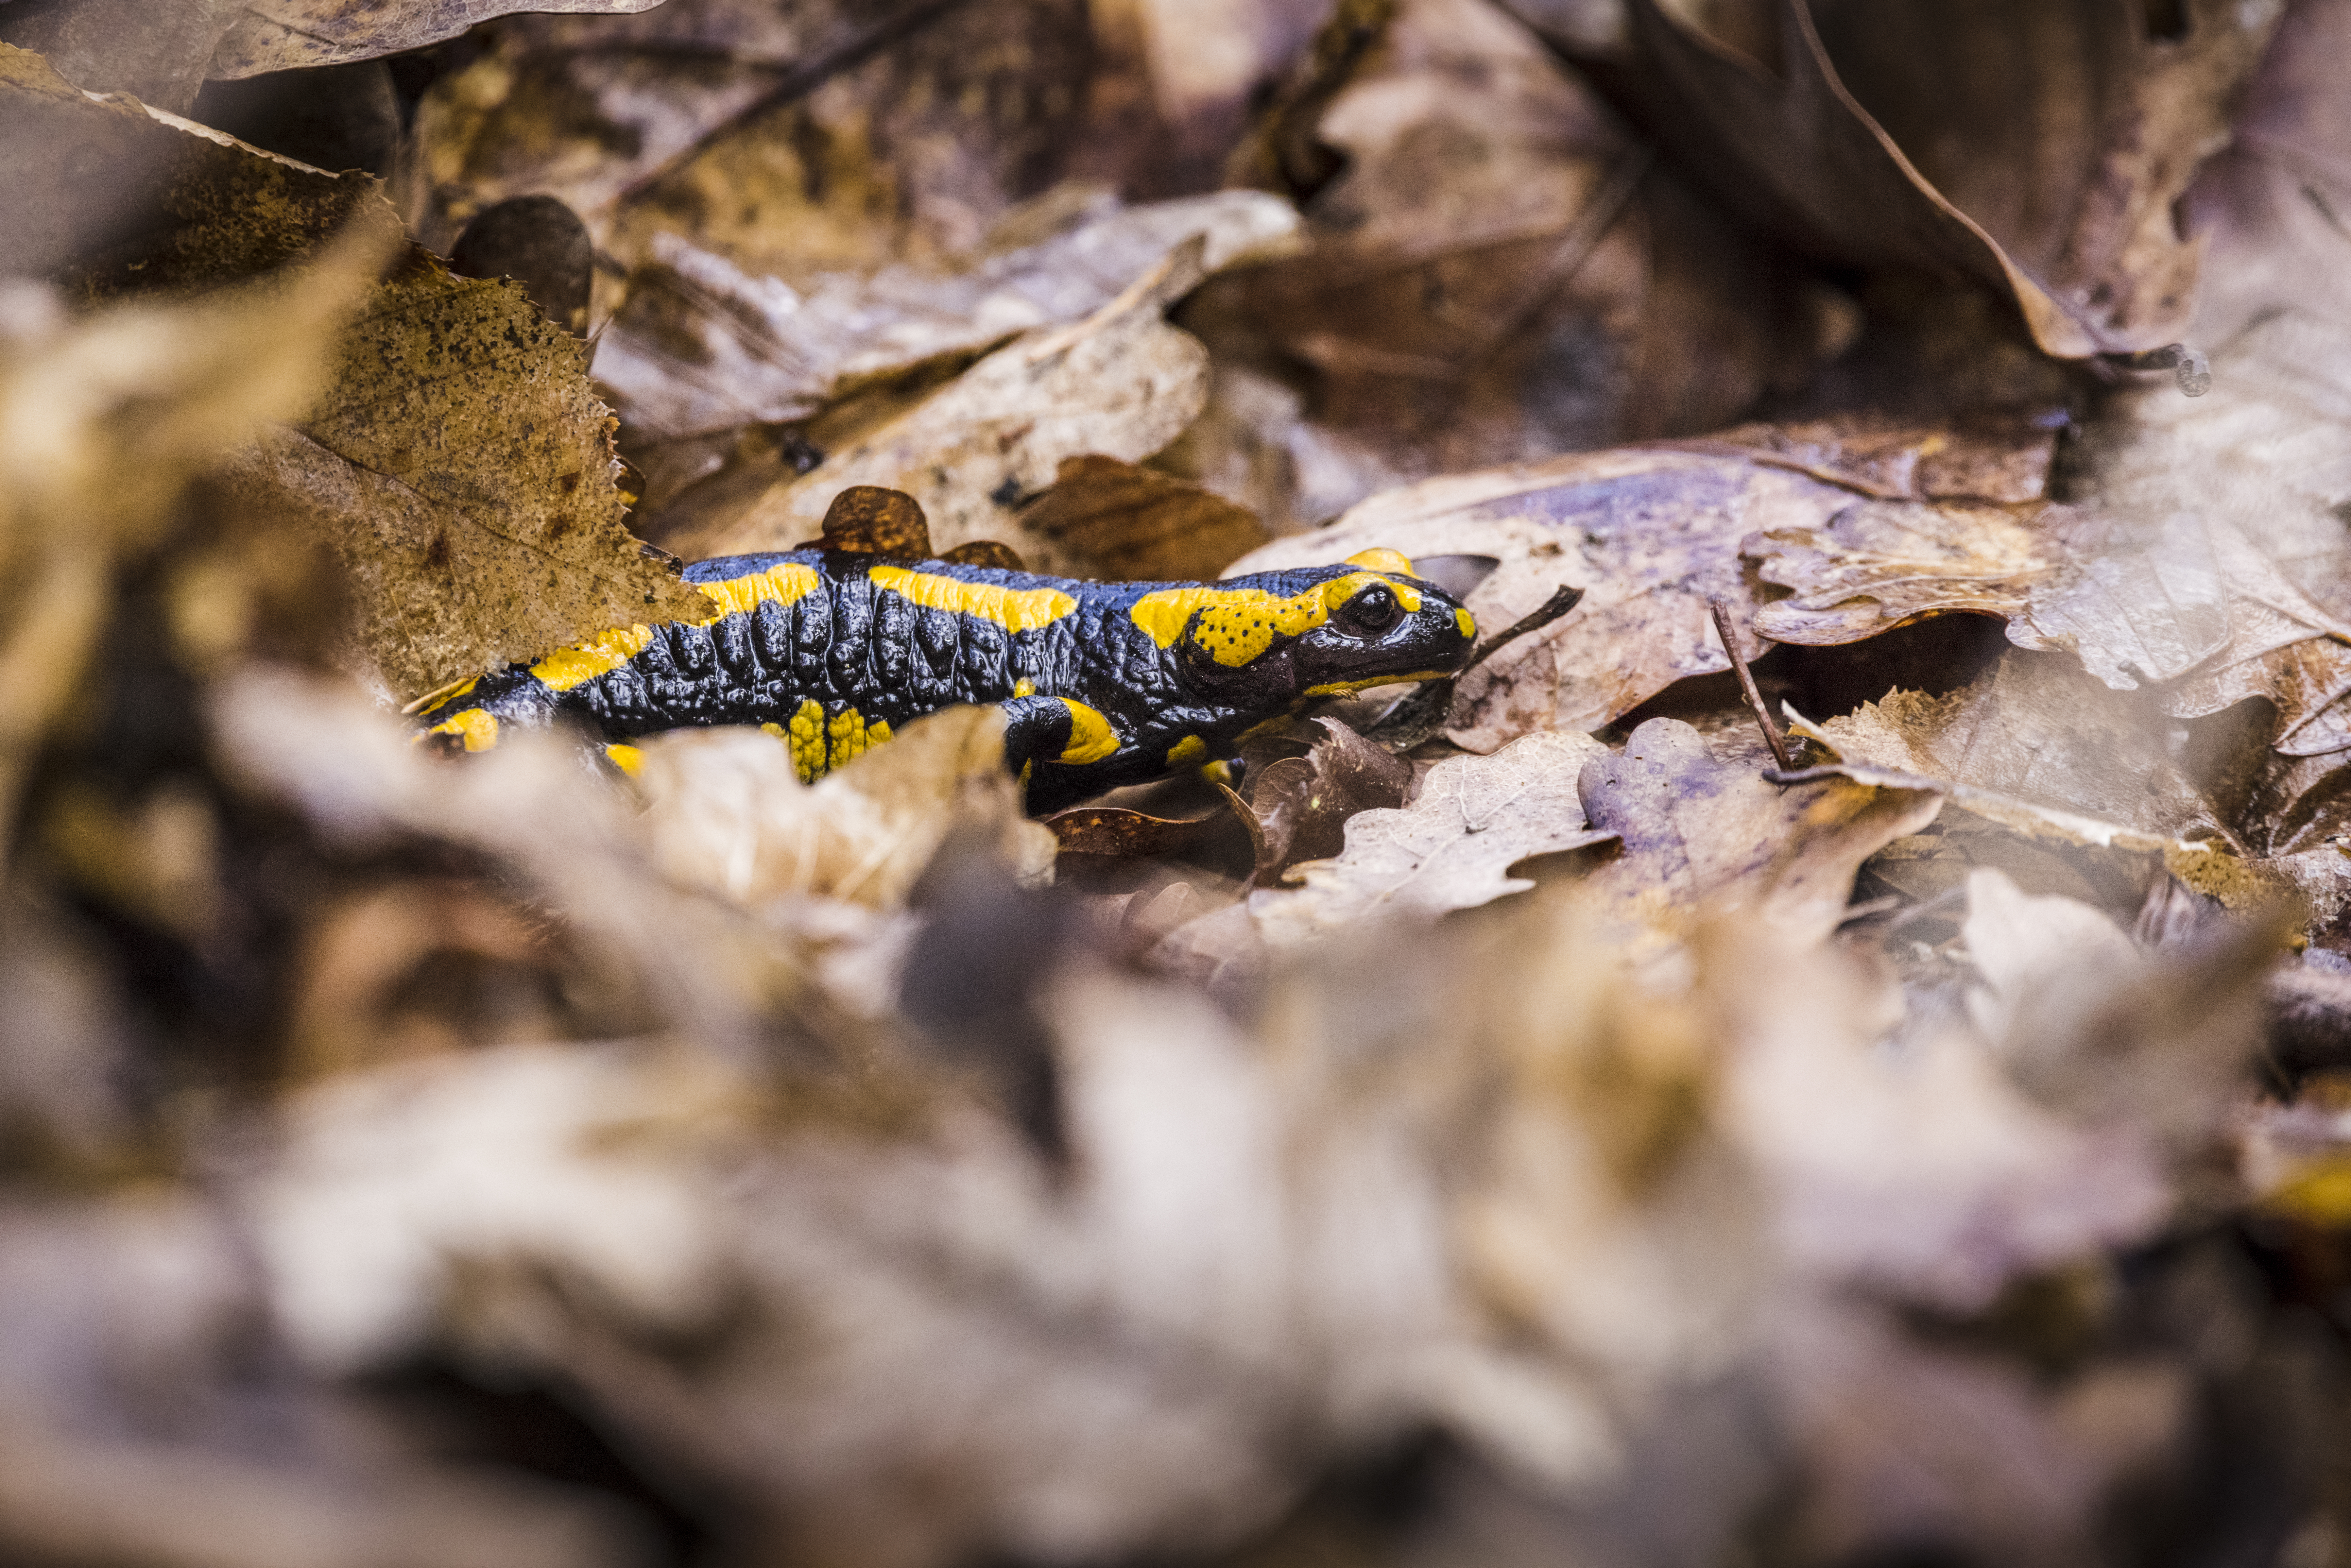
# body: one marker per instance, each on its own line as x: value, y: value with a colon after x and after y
x: 1102, y: 683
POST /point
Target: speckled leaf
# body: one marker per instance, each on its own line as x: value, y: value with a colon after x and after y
x: 1880, y: 564
x: 463, y: 468
x: 1452, y: 848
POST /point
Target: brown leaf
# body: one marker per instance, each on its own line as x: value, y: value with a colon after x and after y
x: 1120, y: 833
x: 2037, y: 148
x: 1883, y: 564
x: 1496, y: 272
x: 1302, y: 804
x: 931, y: 122
x: 157, y: 54
x: 700, y: 346
x: 870, y: 520
x: 1474, y: 818
x: 463, y: 468
x: 1652, y: 536
x: 1697, y: 833
x: 2001, y: 458
x: 1122, y: 523
x: 1121, y: 381
x: 295, y: 35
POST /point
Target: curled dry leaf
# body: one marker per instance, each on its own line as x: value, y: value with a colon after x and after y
x: 701, y: 347
x: 1701, y: 832
x: 729, y: 814
x: 2038, y: 148
x: 1122, y: 383
x: 1453, y: 848
x: 1652, y: 538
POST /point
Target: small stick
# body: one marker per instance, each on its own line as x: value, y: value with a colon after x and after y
x: 1772, y: 736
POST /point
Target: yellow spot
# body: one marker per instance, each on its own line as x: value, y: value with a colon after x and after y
x: 1380, y: 560
x: 1236, y: 625
x: 787, y: 582
x: 569, y: 667
x: 626, y: 757
x: 805, y: 736
x: 1186, y: 751
x: 851, y: 738
x: 439, y: 694
x: 1014, y: 608
x: 1220, y: 772
x: 1341, y: 689
x: 1024, y: 688
x: 1091, y: 736
x: 819, y: 745
x: 479, y: 726
x: 1466, y: 622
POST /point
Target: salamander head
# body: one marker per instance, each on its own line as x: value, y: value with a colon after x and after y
x: 1261, y: 641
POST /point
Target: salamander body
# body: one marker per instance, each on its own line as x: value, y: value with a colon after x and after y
x: 1102, y: 684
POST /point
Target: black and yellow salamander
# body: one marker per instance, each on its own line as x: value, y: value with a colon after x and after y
x: 1102, y: 684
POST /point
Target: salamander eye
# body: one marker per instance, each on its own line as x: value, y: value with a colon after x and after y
x: 1371, y: 612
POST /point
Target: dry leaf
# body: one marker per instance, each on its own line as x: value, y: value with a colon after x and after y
x: 1125, y: 524
x: 899, y: 134
x: 463, y: 468
x: 1989, y: 457
x: 702, y: 346
x: 1883, y: 564
x: 1495, y: 272
x: 1651, y: 537
x: 729, y: 814
x: 1122, y: 383
x: 2038, y: 148
x: 1302, y: 804
x: 1701, y: 832
x: 295, y: 35
x: 1453, y: 848
x: 2037, y: 728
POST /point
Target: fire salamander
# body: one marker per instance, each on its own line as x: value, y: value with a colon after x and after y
x: 1102, y: 684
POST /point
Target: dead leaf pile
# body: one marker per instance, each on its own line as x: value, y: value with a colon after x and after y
x: 1554, y: 1128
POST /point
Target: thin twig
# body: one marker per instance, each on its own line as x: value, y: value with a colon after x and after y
x: 798, y: 82
x: 1772, y: 736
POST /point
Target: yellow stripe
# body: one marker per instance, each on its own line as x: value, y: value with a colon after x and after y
x: 628, y: 758
x: 1188, y: 750
x: 479, y: 726
x: 1236, y: 625
x: 1467, y: 622
x: 1339, y: 688
x: 787, y: 582
x: 1015, y: 609
x: 1091, y: 736
x: 439, y: 694
x: 569, y: 667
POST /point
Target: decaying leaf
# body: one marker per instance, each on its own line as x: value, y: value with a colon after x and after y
x: 701, y: 347
x: 1997, y: 457
x: 1122, y: 383
x: 2036, y: 147
x: 463, y: 468
x: 729, y: 814
x: 1697, y: 833
x: 1651, y: 537
x: 1453, y: 848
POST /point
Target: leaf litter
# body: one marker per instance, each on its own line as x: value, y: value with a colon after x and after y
x: 1546, y: 1129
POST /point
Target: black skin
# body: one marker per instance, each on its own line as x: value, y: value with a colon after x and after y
x: 852, y: 645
